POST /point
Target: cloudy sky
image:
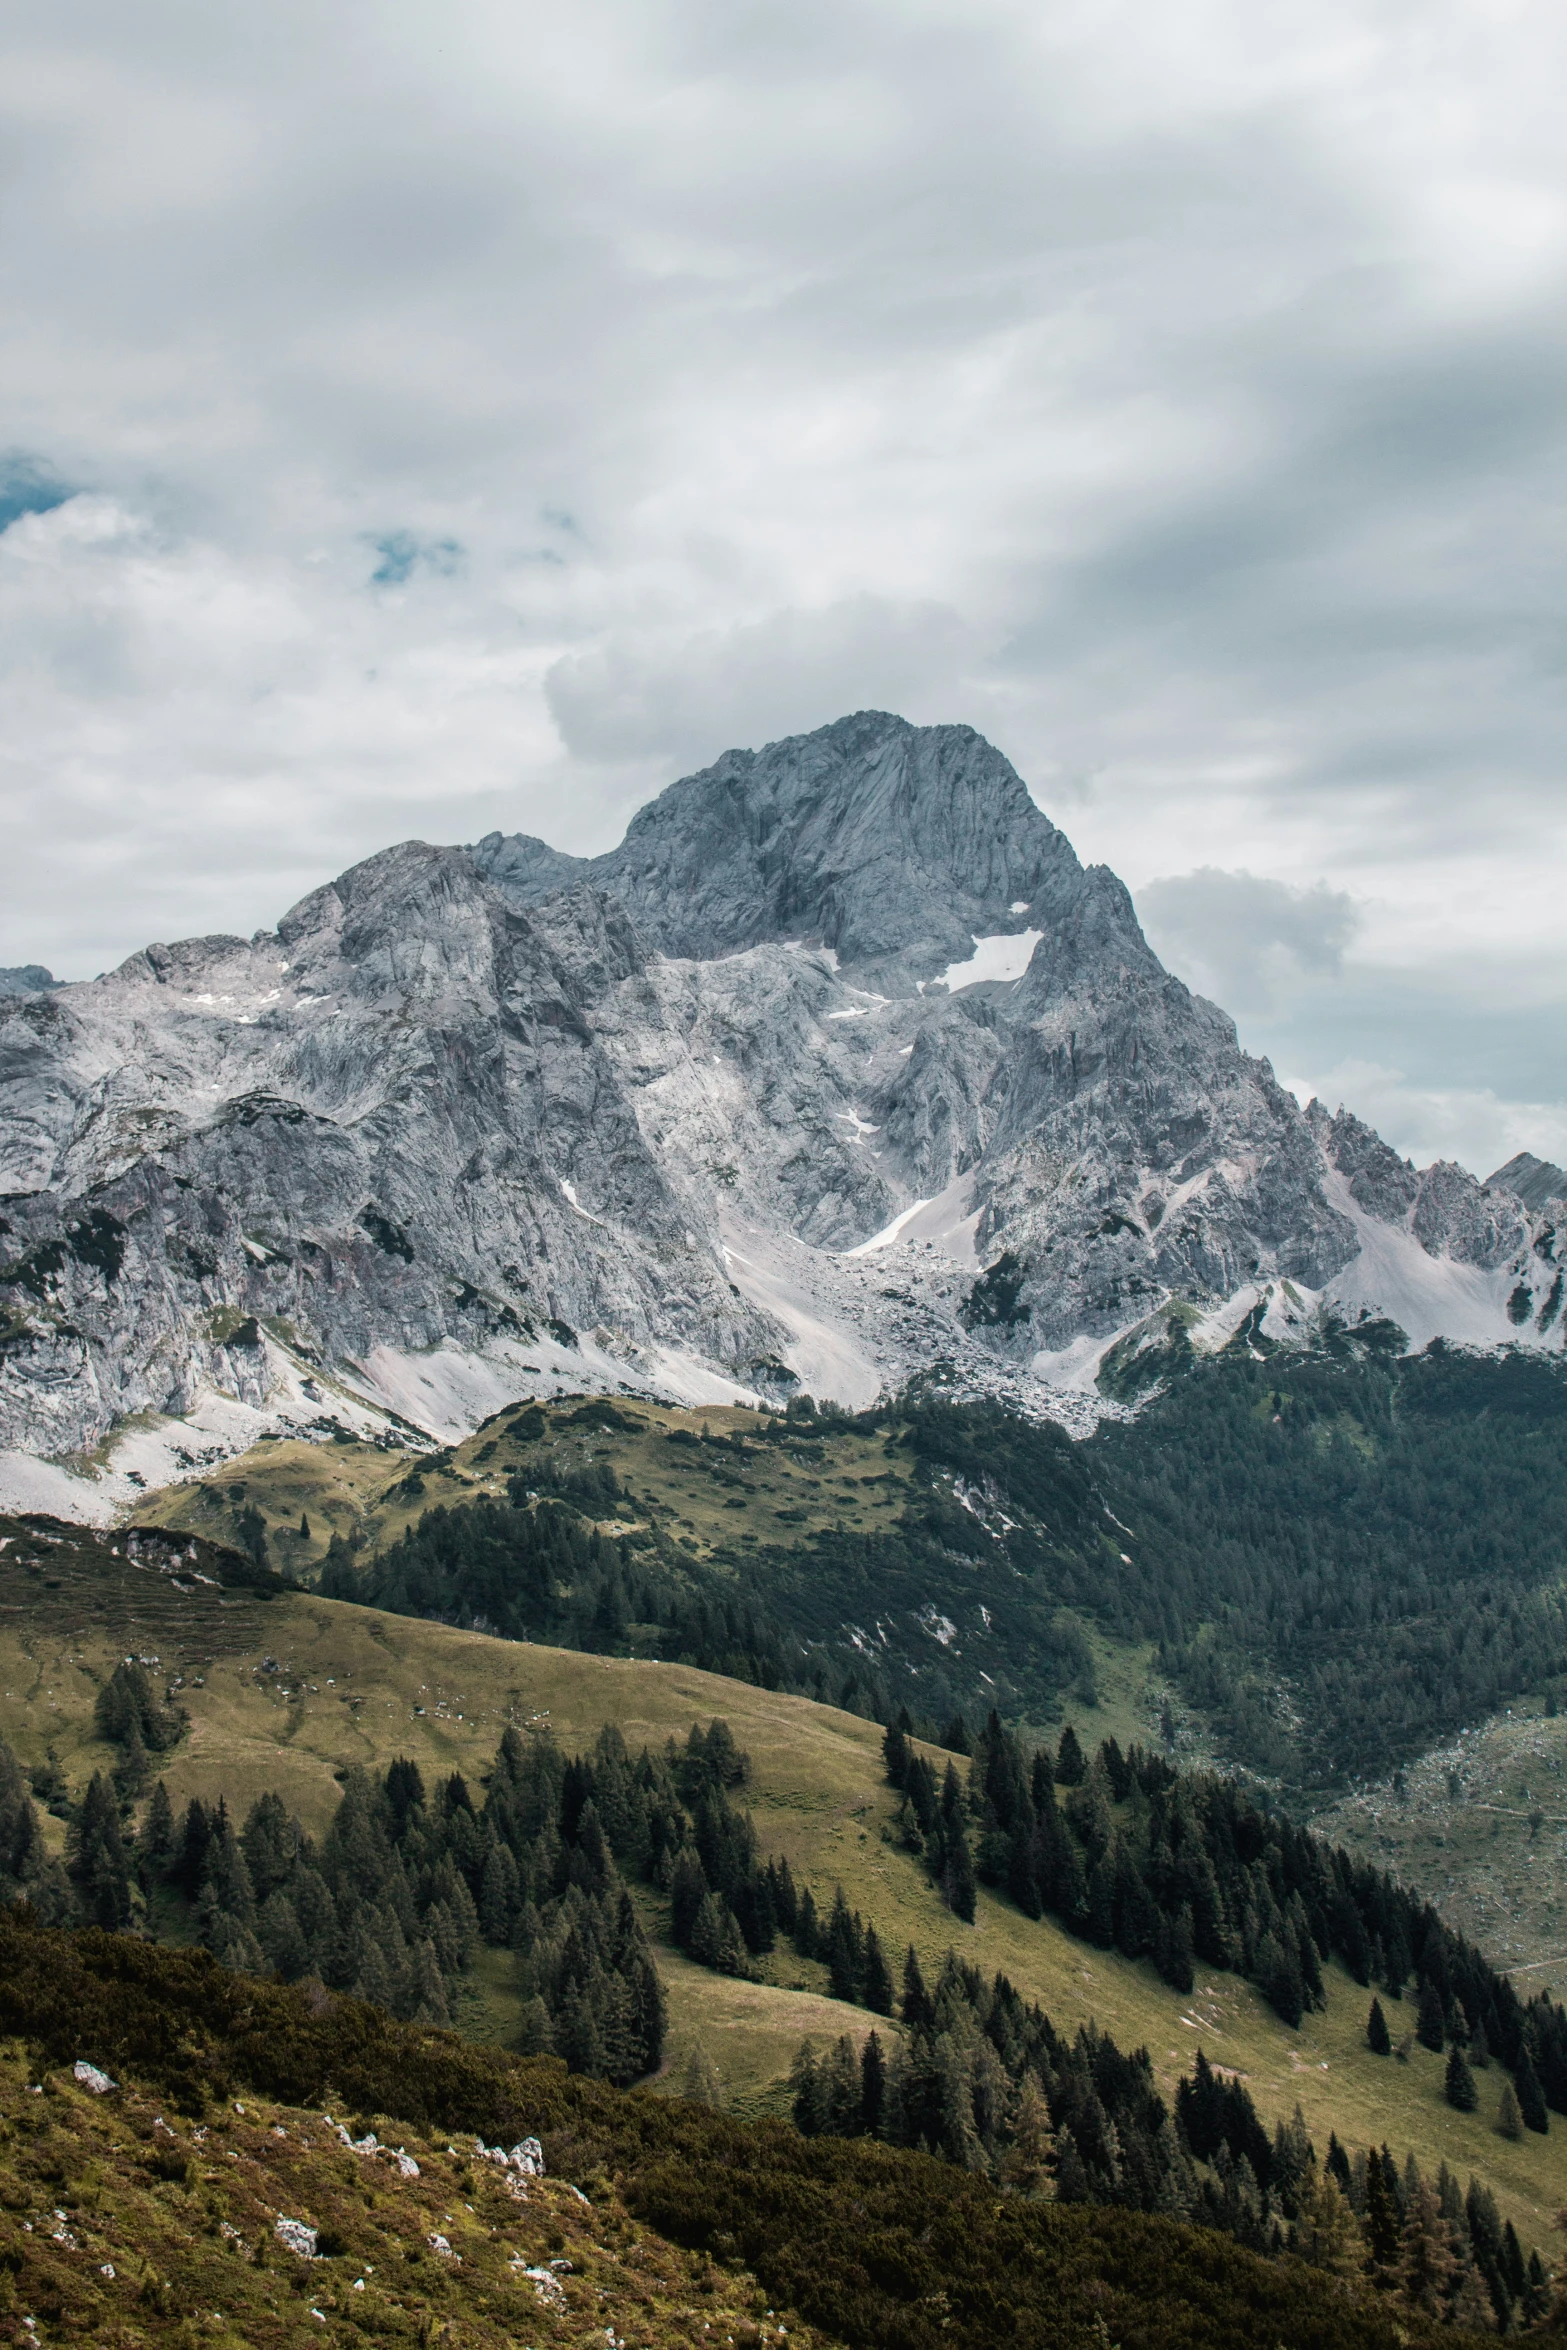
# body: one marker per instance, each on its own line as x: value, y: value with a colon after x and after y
x: 431, y: 416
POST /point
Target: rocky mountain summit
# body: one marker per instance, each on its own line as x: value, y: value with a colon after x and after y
x: 840, y: 1066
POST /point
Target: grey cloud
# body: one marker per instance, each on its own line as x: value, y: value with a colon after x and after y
x: 1178, y: 398
x: 1241, y: 938
x: 696, y: 695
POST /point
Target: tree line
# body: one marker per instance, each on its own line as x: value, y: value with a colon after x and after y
x: 1135, y: 1856
x: 983, y: 2080
x: 1382, y: 1535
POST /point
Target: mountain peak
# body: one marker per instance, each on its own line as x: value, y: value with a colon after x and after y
x: 879, y: 839
x: 1532, y: 1180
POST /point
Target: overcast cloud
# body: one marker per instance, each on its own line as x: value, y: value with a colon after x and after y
x: 428, y: 417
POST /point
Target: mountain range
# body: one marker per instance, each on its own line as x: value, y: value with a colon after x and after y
x: 840, y: 1067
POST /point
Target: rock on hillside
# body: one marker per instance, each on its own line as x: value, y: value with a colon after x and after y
x: 840, y: 1065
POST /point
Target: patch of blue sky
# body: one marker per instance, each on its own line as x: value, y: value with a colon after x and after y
x: 402, y: 554
x: 28, y: 487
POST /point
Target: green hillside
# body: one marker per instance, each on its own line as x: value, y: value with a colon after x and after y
x: 875, y: 1561
x: 285, y: 1692
x: 167, y: 2199
x: 1331, y: 1560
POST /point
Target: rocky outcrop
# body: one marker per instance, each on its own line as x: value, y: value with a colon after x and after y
x: 1535, y: 1181
x: 885, y: 842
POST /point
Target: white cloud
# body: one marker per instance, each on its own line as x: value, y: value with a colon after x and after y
x: 1174, y: 394
x: 693, y: 695
x: 1243, y: 939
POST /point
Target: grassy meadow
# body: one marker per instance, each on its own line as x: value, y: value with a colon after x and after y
x: 289, y: 1691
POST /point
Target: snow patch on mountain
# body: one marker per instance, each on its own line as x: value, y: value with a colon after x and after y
x: 1000, y: 960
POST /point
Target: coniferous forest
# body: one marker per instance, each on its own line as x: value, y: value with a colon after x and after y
x: 1122, y: 1849
x: 1341, y: 1555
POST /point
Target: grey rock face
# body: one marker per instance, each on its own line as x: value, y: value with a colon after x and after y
x: 1534, y: 1181
x: 872, y: 837
x: 363, y: 1131
x: 26, y: 979
x: 706, y: 1108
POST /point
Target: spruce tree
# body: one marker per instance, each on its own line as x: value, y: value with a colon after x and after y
x: 918, y: 2009
x: 156, y: 1844
x: 843, y: 1950
x: 1431, y: 2018
x: 1384, y: 2224
x: 95, y: 1857
x: 873, y: 2085
x: 1531, y: 2101
x: 1378, y: 2039
x: 1462, y: 2094
x: 877, y: 1992
x: 1537, y: 2291
x: 807, y: 2100
x: 1509, y: 2120
x: 1071, y: 1769
x: 1427, y: 2262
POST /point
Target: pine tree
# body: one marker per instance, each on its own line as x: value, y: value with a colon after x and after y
x: 840, y: 2083
x: 1431, y: 2019
x: 1278, y: 1971
x: 878, y: 1989
x: 706, y: 1937
x: 304, y: 1527
x: 253, y: 1533
x: 1026, y: 2164
x: 1377, y: 2037
x: 805, y: 2087
x: 1173, y: 1950
x: 957, y: 1882
x: 1071, y: 1769
x: 1462, y: 2094
x: 873, y: 2085
x: 843, y: 1949
x: 155, y: 1845
x: 282, y: 1942
x: 95, y: 1857
x: 1427, y: 2262
x: 535, y: 2036
x: 1537, y: 2292
x: 1384, y: 2224
x: 1326, y: 2232
x: 130, y: 1772
x: 1470, y: 2305
x: 1531, y: 2101
x: 918, y: 2011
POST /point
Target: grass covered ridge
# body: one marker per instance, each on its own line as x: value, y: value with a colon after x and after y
x: 869, y: 2246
